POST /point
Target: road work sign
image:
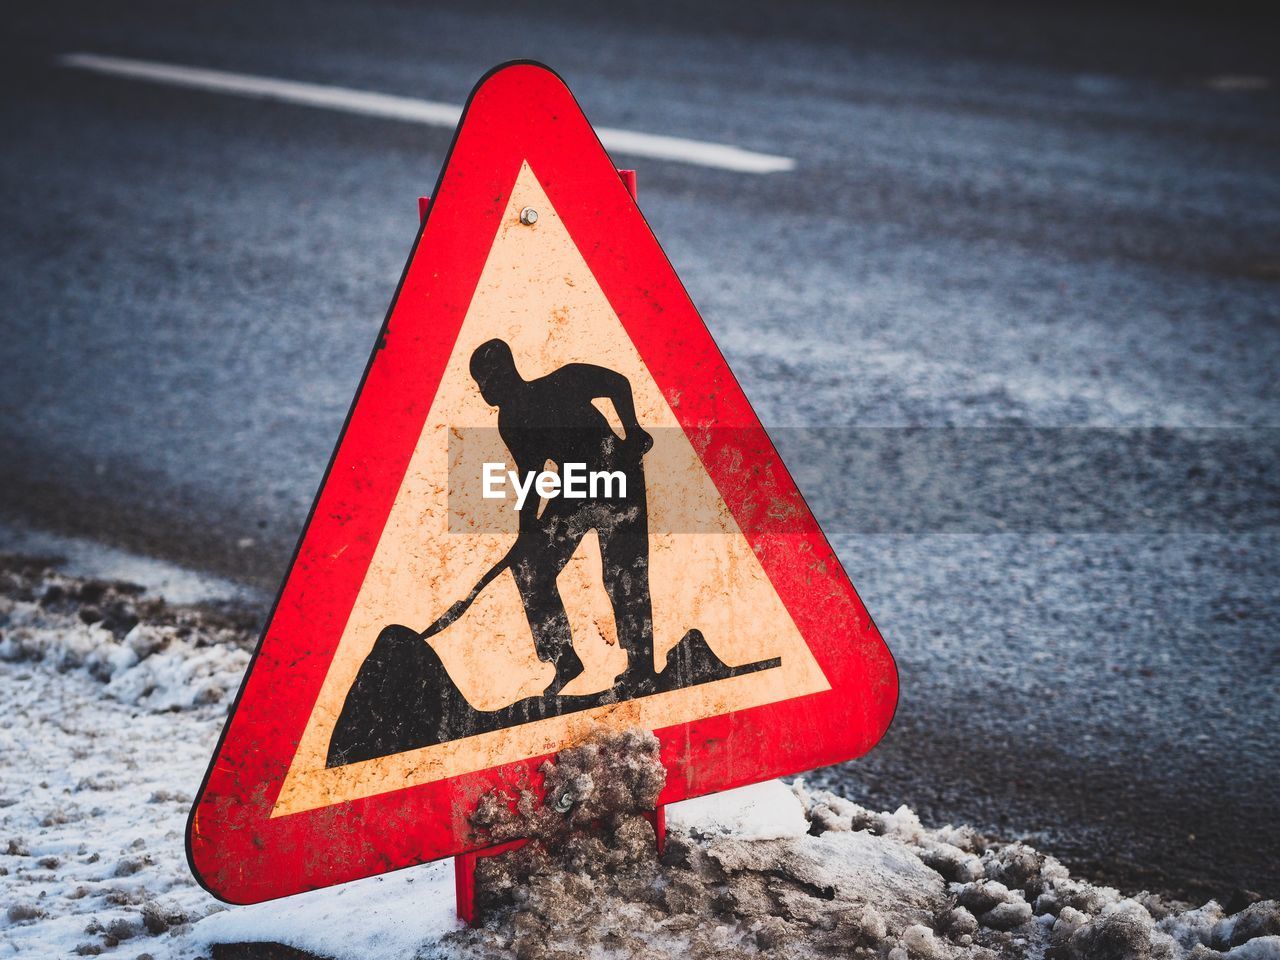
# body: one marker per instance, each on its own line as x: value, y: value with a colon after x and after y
x: 551, y: 509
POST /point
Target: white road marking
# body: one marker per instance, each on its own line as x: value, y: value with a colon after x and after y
x: 410, y: 109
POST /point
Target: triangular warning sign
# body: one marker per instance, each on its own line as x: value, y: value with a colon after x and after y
x: 552, y: 508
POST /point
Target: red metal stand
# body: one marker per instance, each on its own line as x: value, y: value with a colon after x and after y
x: 464, y: 866
x: 464, y: 878
x: 658, y: 817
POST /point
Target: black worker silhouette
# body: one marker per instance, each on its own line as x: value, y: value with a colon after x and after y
x: 552, y: 420
x: 403, y: 697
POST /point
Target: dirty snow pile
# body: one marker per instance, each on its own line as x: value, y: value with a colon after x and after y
x: 789, y: 872
x: 772, y: 870
x: 172, y: 660
x: 112, y: 703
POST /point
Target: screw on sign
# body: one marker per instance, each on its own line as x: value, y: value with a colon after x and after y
x: 438, y: 637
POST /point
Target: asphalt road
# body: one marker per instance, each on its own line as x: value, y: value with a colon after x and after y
x: 1014, y: 313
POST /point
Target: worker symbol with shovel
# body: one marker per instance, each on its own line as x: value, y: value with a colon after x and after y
x: 552, y: 420
x: 403, y: 697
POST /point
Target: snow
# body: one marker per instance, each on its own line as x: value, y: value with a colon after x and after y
x: 104, y: 736
x: 398, y: 913
x: 93, y: 804
x: 107, y: 728
x: 155, y: 667
x: 762, y: 811
x: 1261, y: 948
